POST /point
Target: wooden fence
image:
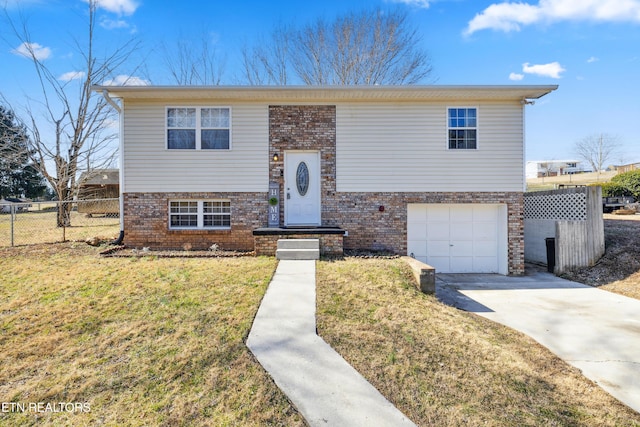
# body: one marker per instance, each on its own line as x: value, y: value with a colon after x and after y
x: 573, y: 218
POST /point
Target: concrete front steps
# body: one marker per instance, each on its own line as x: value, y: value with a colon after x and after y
x: 298, y: 249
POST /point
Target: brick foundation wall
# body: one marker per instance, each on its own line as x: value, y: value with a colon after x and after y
x: 146, y: 221
x: 369, y: 228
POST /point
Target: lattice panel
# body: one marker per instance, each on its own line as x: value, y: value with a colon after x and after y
x: 561, y: 206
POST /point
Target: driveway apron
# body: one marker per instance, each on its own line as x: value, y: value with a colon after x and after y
x: 596, y: 331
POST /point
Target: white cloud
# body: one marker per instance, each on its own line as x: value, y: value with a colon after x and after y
x: 124, y: 80
x: 72, y: 75
x: 516, y: 77
x: 593, y: 59
x: 508, y: 16
x: 32, y: 50
x: 553, y: 69
x: 121, y: 7
x: 424, y: 4
x: 111, y: 24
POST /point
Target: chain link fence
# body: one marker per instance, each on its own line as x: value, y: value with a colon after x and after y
x: 51, y: 222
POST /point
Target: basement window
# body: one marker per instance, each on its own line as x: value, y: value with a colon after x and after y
x: 199, y: 214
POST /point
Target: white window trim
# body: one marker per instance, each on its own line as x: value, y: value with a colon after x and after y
x: 477, y: 127
x: 198, y: 128
x: 200, y: 215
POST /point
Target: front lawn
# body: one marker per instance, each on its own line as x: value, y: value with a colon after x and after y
x: 445, y: 367
x: 142, y: 341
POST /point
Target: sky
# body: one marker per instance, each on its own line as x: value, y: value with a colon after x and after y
x: 589, y: 48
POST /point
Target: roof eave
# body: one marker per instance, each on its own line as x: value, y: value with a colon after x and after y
x: 331, y: 93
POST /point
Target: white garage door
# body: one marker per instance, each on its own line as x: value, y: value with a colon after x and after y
x: 459, y: 238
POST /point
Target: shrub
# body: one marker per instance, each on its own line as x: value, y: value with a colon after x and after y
x: 629, y: 180
x: 612, y: 189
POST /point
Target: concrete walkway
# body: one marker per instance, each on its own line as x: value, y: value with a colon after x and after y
x: 321, y: 384
x: 594, y: 330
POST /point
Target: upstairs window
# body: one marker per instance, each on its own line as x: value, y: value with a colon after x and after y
x: 198, y: 128
x: 462, y: 128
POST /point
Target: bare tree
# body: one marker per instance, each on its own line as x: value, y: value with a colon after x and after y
x: 367, y: 48
x: 70, y: 130
x: 268, y: 61
x: 598, y: 149
x: 194, y: 62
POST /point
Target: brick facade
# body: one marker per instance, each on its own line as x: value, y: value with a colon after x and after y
x: 146, y: 221
x: 294, y: 127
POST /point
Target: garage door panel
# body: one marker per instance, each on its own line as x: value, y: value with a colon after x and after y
x: 417, y: 230
x: 485, y: 264
x: 461, y: 231
x: 460, y: 248
x: 418, y: 248
x: 485, y: 249
x: 417, y: 212
x: 438, y: 248
x: 485, y: 213
x: 437, y: 213
x: 485, y: 231
x: 462, y: 264
x: 457, y: 238
x: 439, y: 263
x: 438, y: 231
x: 464, y: 214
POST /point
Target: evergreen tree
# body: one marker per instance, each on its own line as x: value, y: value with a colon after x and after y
x: 18, y: 176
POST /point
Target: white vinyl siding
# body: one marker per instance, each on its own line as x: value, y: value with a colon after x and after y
x: 404, y: 147
x: 150, y: 167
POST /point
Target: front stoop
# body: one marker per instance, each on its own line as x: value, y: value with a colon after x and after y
x: 298, y: 249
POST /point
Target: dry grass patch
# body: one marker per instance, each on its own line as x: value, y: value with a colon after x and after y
x: 40, y: 227
x: 619, y: 269
x: 444, y: 367
x: 145, y: 341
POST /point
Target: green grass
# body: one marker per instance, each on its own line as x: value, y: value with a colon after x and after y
x: 444, y: 367
x: 143, y: 341
x: 40, y: 227
x: 160, y: 341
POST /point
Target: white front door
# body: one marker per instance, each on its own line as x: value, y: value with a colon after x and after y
x: 302, y: 188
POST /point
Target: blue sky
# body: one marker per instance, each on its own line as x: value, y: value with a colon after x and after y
x: 590, y: 48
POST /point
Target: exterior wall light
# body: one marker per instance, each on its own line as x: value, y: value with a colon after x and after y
x: 276, y: 157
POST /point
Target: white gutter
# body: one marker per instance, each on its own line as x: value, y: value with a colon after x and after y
x: 110, y: 100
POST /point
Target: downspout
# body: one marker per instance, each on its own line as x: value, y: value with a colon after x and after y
x: 116, y: 107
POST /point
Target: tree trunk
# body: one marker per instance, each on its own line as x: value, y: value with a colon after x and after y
x: 64, y: 214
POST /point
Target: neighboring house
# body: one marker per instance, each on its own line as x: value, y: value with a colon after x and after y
x: 627, y: 168
x: 18, y: 205
x: 544, y: 168
x: 399, y: 169
x: 96, y: 185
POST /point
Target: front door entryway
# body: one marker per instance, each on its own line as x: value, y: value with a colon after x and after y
x: 302, y: 188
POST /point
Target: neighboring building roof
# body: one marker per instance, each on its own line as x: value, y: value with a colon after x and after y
x: 554, y: 161
x: 332, y: 93
x: 100, y: 177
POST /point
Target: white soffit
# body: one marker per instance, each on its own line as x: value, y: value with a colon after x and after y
x: 329, y: 93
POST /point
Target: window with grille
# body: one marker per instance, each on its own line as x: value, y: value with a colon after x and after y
x: 199, y: 214
x: 198, y: 128
x: 462, y: 127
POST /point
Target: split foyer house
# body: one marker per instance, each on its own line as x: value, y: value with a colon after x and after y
x: 436, y: 172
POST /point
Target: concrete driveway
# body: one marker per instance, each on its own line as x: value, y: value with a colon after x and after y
x: 596, y: 331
